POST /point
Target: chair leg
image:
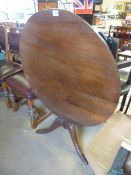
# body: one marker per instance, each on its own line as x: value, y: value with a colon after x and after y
x: 13, y: 100
x: 0, y: 87
x: 32, y: 113
x: 127, y: 105
x: 36, y: 118
x: 123, y: 102
x: 6, y: 95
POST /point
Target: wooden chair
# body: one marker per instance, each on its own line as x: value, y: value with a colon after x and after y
x: 14, y: 82
x: 7, y: 70
x: 128, y: 104
x: 125, y: 90
x: 13, y: 40
x: 18, y: 85
x: 121, y: 32
x: 125, y: 85
x: 2, y: 39
x: 112, y: 44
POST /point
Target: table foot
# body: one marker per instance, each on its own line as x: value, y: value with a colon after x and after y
x: 72, y: 130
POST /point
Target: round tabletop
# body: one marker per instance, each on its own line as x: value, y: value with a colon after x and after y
x: 69, y: 67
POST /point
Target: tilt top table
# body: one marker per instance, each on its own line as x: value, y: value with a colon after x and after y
x: 70, y: 69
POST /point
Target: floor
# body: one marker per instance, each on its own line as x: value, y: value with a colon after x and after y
x: 23, y: 152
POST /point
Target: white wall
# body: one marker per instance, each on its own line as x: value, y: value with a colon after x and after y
x: 107, y: 4
x: 14, y: 7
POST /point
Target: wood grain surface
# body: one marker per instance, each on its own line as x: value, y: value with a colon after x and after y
x: 104, y: 147
x: 69, y: 67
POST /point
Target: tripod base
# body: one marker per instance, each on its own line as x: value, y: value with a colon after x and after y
x: 72, y: 130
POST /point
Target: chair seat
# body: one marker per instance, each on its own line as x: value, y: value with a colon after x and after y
x: 122, y: 82
x: 20, y: 85
x: 8, y: 69
x: 124, y: 88
x: 2, y: 63
x: 124, y: 74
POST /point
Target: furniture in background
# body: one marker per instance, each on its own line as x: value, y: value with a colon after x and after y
x: 128, y: 21
x: 7, y: 67
x: 128, y: 104
x: 12, y: 78
x: 125, y: 87
x: 126, y: 84
x: 13, y: 41
x: 126, y: 54
x: 112, y: 44
x: 2, y: 37
x: 4, y: 41
x: 9, y: 40
x: 102, y: 150
x: 7, y: 70
x: 121, y: 32
x: 18, y: 85
x: 43, y: 4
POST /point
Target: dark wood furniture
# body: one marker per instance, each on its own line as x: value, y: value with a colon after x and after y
x: 128, y: 104
x: 18, y: 85
x: 126, y: 84
x: 13, y: 41
x: 112, y: 43
x: 125, y: 87
x: 121, y: 32
x: 70, y: 69
x: 13, y: 81
x: 123, y: 64
x: 7, y: 70
x: 126, y: 54
x: 43, y: 4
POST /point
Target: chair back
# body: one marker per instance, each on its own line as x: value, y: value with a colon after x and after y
x: 112, y: 44
x: 129, y: 78
x: 14, y: 39
x: 2, y: 39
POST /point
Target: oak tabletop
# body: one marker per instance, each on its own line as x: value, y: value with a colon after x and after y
x: 69, y: 67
